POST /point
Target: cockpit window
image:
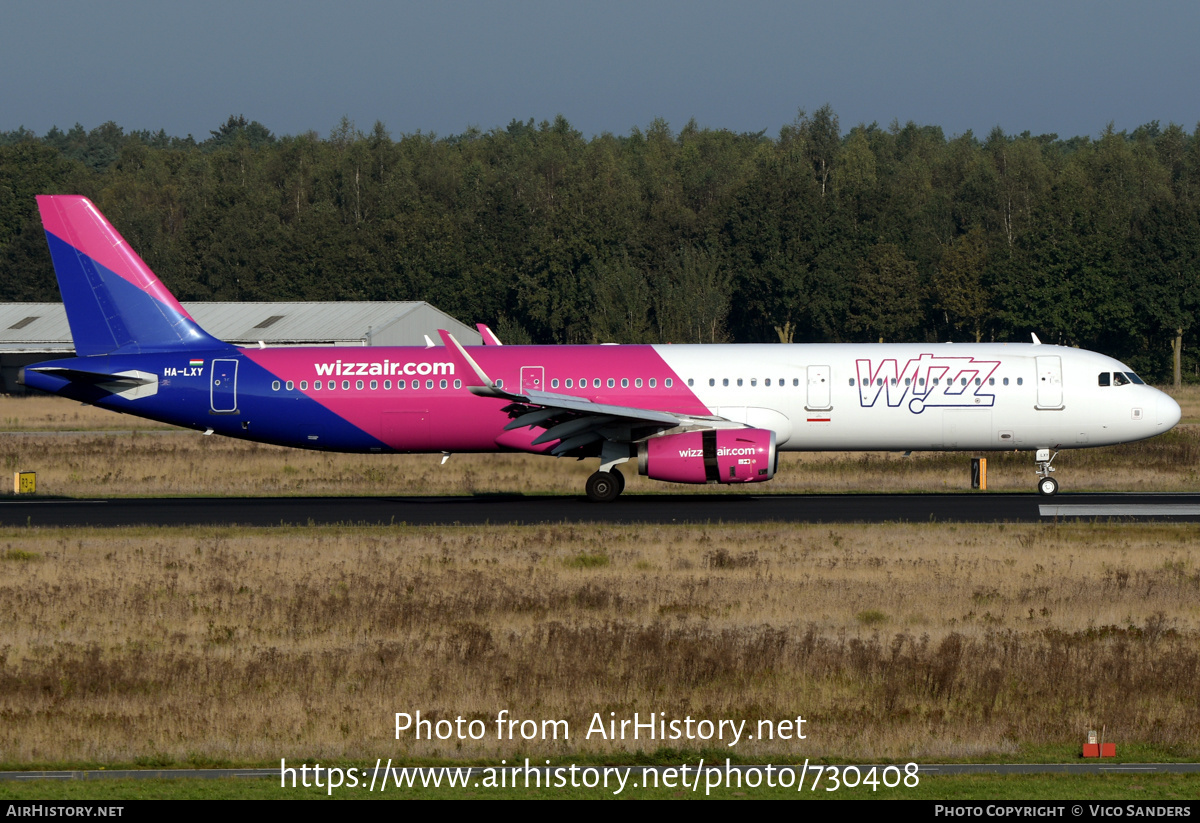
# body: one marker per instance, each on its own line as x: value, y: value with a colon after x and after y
x: 1105, y: 378
x: 1120, y: 379
x: 1135, y: 378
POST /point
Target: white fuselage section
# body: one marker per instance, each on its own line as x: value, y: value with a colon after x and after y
x: 925, y: 396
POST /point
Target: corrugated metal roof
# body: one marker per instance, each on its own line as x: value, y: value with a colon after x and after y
x: 289, y: 323
x: 297, y: 322
x: 30, y: 324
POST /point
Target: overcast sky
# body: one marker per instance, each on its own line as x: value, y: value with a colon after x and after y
x: 438, y: 66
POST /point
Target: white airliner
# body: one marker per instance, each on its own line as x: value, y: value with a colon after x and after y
x: 687, y: 414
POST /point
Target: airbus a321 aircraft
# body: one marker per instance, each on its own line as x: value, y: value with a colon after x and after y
x: 686, y: 414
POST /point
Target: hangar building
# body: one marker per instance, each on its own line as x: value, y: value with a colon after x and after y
x: 33, y: 332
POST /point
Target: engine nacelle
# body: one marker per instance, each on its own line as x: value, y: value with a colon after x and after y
x: 720, y: 456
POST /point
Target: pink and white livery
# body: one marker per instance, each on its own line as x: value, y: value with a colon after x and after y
x: 686, y: 414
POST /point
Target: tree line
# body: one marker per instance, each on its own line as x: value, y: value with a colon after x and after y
x: 701, y: 235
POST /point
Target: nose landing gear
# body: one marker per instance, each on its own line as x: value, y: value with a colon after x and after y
x: 1047, y: 486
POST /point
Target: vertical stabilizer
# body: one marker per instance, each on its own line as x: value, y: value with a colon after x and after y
x: 114, y: 302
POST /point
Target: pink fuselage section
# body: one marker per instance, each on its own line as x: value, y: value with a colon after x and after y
x: 418, y: 399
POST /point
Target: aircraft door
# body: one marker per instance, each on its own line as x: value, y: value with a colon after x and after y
x: 1049, y: 390
x: 533, y: 378
x: 967, y: 429
x: 223, y: 388
x: 818, y: 388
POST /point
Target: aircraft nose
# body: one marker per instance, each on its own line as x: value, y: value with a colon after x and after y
x: 1169, y: 412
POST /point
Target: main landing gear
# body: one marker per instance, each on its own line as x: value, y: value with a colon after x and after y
x: 604, y: 487
x: 1047, y: 486
x: 607, y: 484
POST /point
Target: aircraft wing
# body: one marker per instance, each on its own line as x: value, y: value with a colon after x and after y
x: 489, y: 337
x: 575, y: 422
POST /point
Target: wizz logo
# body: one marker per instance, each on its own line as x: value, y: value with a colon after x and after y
x: 928, y: 380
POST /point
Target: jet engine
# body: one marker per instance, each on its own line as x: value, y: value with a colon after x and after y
x: 720, y: 456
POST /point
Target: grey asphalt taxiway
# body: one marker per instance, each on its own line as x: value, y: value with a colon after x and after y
x: 496, y: 509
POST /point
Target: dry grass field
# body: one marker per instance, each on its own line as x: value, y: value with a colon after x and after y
x: 83, y: 451
x: 899, y: 641
x: 206, y: 646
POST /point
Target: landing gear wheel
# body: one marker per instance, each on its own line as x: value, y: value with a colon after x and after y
x: 620, y: 479
x: 602, y: 487
x: 1047, y: 487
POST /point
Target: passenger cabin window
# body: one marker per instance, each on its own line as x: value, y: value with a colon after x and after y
x: 653, y: 382
x: 638, y: 382
x: 668, y: 382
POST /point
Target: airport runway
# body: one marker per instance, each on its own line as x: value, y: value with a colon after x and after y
x: 518, y: 509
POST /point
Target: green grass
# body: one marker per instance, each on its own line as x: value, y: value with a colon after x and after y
x: 1155, y: 787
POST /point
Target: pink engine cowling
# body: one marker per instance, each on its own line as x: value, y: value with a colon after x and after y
x: 721, y: 456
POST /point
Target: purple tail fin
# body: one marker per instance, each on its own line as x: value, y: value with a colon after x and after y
x: 114, y: 302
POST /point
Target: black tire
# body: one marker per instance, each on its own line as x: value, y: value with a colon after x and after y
x: 602, y: 487
x: 1047, y: 487
x: 615, y: 472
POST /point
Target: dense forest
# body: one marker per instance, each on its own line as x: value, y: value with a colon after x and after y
x: 700, y: 235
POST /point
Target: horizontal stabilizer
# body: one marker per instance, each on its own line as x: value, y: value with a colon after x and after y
x: 127, y: 384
